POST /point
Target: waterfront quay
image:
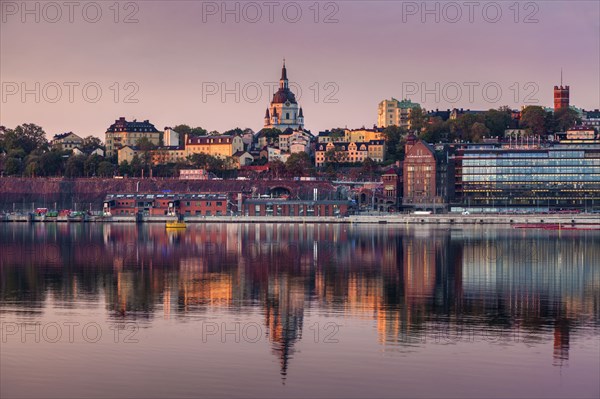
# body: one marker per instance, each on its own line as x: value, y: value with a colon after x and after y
x: 519, y: 220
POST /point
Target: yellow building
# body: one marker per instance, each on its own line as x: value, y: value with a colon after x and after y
x: 67, y: 141
x: 395, y: 113
x: 161, y: 155
x: 126, y: 153
x: 363, y: 135
x: 353, y: 147
x: 123, y: 133
x: 351, y: 135
x: 217, y: 146
x: 164, y: 155
x: 354, y: 152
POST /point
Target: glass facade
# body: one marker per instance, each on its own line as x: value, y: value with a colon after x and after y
x: 552, y: 177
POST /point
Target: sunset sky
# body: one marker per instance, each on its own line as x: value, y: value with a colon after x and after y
x: 178, y: 51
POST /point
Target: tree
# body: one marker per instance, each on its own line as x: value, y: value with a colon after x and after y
x: 393, y: 136
x: 32, y: 167
x: 565, y: 118
x: 337, y: 134
x: 477, y: 132
x: 233, y: 132
x: 182, y: 130
x: 198, y: 131
x: 333, y: 157
x: 416, y: 118
x: 13, y: 166
x: 497, y: 121
x: 75, y: 166
x: 434, y: 131
x: 271, y: 134
x: 26, y: 137
x: 106, y: 169
x: 209, y: 162
x: 90, y: 143
x: 277, y: 168
x: 90, y: 166
x: 299, y: 164
x: 192, y: 132
x: 534, y: 117
x: 52, y: 162
x: 369, y: 167
x: 136, y: 166
x: 465, y: 123
x: 145, y: 146
x: 125, y: 169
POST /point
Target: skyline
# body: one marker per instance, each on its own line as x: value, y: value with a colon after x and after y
x: 173, y: 67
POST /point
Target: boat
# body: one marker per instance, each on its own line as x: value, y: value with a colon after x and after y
x: 177, y: 224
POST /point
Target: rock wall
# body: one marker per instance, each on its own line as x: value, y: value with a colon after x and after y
x: 61, y: 193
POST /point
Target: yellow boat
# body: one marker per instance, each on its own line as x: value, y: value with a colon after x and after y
x: 176, y: 225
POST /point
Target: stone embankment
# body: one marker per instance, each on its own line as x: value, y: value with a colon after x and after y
x: 23, y: 194
x: 530, y: 220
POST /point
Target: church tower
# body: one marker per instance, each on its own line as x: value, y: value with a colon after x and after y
x: 561, y: 96
x: 284, y: 111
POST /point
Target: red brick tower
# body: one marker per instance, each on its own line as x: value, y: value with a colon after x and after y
x: 561, y: 96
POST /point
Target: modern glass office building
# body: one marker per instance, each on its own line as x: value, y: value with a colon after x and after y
x: 544, y: 177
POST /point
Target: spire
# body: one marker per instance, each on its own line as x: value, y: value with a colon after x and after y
x: 267, y: 113
x: 283, y: 71
x: 301, y: 114
x: 283, y: 82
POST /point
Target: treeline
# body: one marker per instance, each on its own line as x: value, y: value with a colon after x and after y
x: 474, y: 127
x: 25, y: 151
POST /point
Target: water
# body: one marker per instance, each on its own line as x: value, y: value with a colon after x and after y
x: 254, y: 310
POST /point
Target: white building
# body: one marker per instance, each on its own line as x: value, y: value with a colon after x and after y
x: 284, y: 111
x: 395, y: 113
x: 290, y: 136
x: 170, y: 138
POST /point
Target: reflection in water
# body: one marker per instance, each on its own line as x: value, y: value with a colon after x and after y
x: 419, y: 285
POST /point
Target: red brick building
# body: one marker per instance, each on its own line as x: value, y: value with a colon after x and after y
x: 167, y: 204
x: 388, y: 198
x: 419, y: 173
x: 282, y: 207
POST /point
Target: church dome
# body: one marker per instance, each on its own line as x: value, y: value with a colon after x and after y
x: 283, y: 95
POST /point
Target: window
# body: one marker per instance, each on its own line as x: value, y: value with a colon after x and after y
x: 208, y: 213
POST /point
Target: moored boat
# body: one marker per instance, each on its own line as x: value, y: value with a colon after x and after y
x: 177, y: 224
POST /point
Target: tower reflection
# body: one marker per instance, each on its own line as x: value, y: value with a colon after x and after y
x: 413, y: 283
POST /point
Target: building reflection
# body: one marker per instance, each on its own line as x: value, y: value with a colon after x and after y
x: 413, y: 282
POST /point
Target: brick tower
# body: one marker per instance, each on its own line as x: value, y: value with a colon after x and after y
x: 561, y: 96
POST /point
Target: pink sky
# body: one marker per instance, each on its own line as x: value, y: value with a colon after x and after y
x: 178, y: 50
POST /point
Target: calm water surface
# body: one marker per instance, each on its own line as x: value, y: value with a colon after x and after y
x: 298, y: 311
